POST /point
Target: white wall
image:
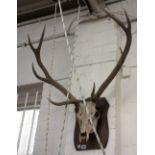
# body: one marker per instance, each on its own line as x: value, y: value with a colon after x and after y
x: 94, y: 58
x: 126, y: 100
x: 26, y: 57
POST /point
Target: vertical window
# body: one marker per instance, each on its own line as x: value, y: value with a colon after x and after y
x: 28, y: 104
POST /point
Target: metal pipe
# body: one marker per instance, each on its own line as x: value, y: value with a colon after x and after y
x: 59, y: 35
x: 52, y: 37
x: 55, y: 36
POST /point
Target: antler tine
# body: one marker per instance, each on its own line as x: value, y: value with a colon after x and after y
x: 48, y: 79
x: 39, y: 77
x: 125, y: 29
x: 36, y: 52
x: 75, y: 102
x: 93, y: 90
x: 121, y: 60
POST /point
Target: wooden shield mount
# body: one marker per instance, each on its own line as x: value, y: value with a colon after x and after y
x: 102, y: 130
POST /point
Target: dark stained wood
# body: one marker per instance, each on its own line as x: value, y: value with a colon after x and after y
x: 102, y: 129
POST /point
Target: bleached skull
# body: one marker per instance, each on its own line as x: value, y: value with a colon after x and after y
x: 83, y: 120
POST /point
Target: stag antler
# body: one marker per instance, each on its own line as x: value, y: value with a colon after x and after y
x: 72, y: 100
x: 48, y: 79
x: 124, y: 54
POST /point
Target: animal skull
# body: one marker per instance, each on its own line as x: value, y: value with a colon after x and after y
x: 83, y: 119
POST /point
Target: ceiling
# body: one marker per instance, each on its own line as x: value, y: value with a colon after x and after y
x: 31, y: 9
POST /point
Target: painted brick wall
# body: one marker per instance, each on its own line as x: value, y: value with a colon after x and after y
x: 94, y: 59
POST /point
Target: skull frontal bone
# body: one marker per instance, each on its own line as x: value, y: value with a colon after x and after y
x: 83, y: 120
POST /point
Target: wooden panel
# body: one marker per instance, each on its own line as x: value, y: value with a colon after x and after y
x: 102, y: 130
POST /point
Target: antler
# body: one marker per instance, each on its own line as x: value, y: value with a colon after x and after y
x: 121, y: 60
x: 48, y: 79
x: 75, y: 102
x: 72, y: 100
